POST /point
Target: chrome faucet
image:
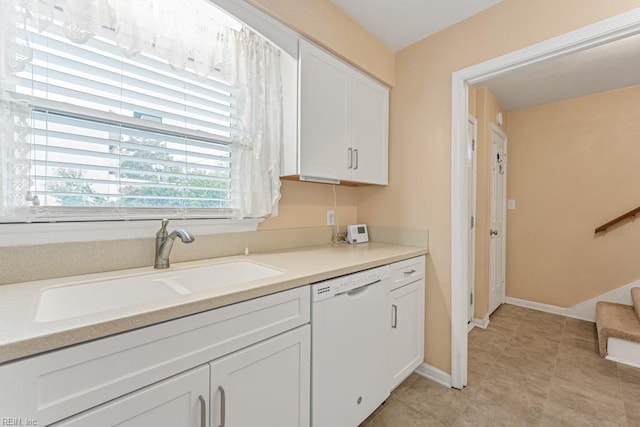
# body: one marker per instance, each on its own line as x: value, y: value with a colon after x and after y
x: 164, y: 243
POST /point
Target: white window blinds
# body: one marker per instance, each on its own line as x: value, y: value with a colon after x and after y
x: 117, y: 133
x: 113, y: 136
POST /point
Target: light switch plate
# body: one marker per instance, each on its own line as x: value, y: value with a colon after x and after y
x: 331, y: 217
x: 511, y: 204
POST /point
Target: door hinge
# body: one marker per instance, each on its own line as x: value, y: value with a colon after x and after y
x: 473, y: 222
x: 473, y: 145
x: 471, y: 299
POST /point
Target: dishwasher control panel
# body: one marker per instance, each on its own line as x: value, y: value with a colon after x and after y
x: 340, y: 285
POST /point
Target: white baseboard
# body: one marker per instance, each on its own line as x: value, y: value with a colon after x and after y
x: 434, y: 374
x: 481, y: 323
x: 536, y: 306
x: 585, y: 310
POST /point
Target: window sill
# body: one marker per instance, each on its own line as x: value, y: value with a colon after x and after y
x: 64, y: 232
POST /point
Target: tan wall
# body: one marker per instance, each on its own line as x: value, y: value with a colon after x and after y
x: 487, y: 108
x: 473, y: 94
x: 305, y: 204
x: 419, y: 194
x: 326, y: 24
x: 573, y: 166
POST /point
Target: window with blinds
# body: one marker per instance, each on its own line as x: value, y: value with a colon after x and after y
x: 122, y: 136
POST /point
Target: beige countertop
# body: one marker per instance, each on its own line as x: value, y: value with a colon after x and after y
x: 22, y: 336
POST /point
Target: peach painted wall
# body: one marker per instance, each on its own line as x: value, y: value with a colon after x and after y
x: 473, y: 94
x: 419, y: 194
x: 573, y: 166
x: 325, y: 23
x: 305, y: 204
x: 487, y: 107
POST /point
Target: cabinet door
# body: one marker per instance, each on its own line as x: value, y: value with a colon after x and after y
x: 369, y: 130
x: 264, y: 385
x: 407, y: 330
x: 177, y: 401
x: 324, y: 133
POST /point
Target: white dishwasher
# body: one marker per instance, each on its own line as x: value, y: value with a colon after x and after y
x: 350, y: 337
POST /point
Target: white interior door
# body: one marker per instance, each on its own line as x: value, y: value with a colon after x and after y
x: 471, y: 200
x: 497, y: 247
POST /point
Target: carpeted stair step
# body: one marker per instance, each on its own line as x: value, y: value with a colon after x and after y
x: 616, y: 321
x: 635, y: 297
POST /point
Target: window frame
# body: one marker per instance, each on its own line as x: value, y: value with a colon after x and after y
x: 42, y: 104
x: 21, y: 234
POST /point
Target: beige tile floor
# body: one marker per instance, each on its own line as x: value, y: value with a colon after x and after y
x: 528, y: 368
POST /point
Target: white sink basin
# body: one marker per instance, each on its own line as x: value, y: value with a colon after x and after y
x: 67, y: 301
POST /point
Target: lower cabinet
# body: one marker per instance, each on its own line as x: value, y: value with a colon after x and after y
x: 266, y: 385
x: 256, y: 353
x: 178, y: 401
x: 407, y: 321
x: 243, y: 365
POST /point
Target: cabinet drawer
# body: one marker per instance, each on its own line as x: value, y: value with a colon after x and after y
x: 178, y: 401
x: 407, y: 271
x: 65, y: 382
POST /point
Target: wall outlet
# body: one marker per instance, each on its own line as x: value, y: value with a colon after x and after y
x: 331, y: 217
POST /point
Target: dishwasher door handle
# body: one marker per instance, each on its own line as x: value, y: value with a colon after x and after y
x: 359, y: 289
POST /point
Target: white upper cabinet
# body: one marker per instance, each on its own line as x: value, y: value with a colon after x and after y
x: 324, y: 109
x: 369, y: 130
x: 343, y: 122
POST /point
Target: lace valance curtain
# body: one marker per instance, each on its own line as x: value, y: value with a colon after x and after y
x: 185, y: 36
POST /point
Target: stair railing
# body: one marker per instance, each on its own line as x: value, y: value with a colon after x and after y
x: 630, y: 214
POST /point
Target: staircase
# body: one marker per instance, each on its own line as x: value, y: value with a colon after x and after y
x: 618, y: 328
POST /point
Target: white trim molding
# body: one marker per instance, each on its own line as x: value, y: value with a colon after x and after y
x: 585, y: 310
x: 481, y: 323
x: 608, y: 30
x: 547, y: 308
x: 434, y: 374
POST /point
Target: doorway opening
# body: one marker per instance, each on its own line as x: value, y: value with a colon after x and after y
x: 615, y: 28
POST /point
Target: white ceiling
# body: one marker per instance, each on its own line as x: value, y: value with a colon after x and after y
x: 399, y: 23
x: 602, y: 68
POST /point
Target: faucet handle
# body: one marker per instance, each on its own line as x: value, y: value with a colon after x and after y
x: 163, y: 229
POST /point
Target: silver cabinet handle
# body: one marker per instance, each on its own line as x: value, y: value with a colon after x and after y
x: 355, y: 151
x: 394, y: 325
x: 409, y: 273
x: 350, y: 158
x: 203, y: 411
x: 223, y: 406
